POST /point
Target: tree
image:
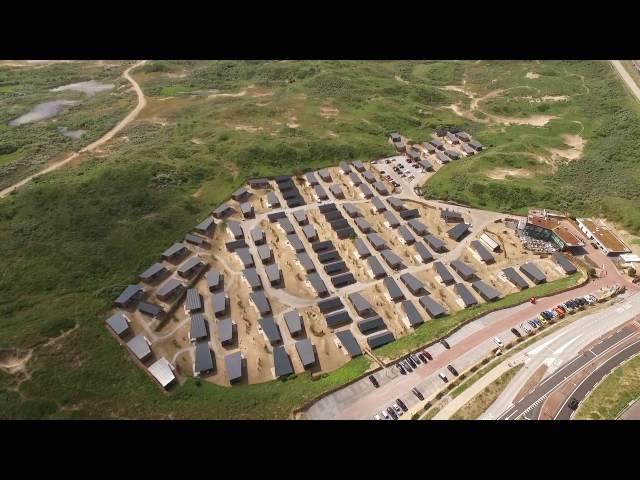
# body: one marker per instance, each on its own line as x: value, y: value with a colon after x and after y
x: 632, y: 272
x: 592, y: 272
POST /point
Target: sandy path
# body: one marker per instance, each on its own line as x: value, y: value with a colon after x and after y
x: 633, y: 86
x: 102, y: 140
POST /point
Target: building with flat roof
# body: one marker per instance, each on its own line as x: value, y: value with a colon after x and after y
x: 486, y: 291
x: 375, y: 268
x: 515, y: 278
x: 361, y: 248
x: 481, y: 252
x: 390, y: 220
x: 396, y: 203
x: 418, y: 227
x: 151, y: 310
x: 306, y: 352
x: 318, y: 284
x: 310, y: 233
x: 196, y: 240
x: 225, y: 331
x: 193, y: 302
x: 411, y: 313
x: 311, y: 179
x: 320, y: 193
x: 241, y: 194
x: 270, y: 330
x: 252, y: 278
x: 198, y: 329
x: 441, y: 271
x: 451, y: 216
x: 281, y: 362
x: 358, y: 165
x: 349, y: 342
x: 354, y: 179
x: 465, y: 295
x: 119, y: 323
x: 214, y: 280
x: 191, y: 267
x: 245, y: 257
x: 369, y: 325
x: 162, y: 371
x: 154, y: 273
x: 169, y: 289
x: 220, y: 302
x: 415, y: 286
x: 458, y: 232
x: 360, y: 304
x: 206, y: 226
x: 272, y: 200
x: 343, y: 280
x: 261, y: 302
x: 406, y: 236
x: 551, y: 230
x: 175, y: 252
x: 392, y: 259
x: 378, y: 339
x: 603, y: 236
x: 337, y: 319
x: 489, y: 242
x: 345, y: 167
x: 203, y: 359
x: 293, y: 320
x: 433, y: 308
x: 533, y: 272
x: 129, y: 296
x: 363, y: 225
x: 378, y: 205
x: 233, y: 363
x: 435, y: 243
x: 395, y: 294
x: 304, y: 260
x: 140, y: 347
x: 223, y: 211
x: 259, y: 183
x: 377, y: 242
x: 324, y: 175
x: 465, y: 271
x: 423, y: 253
x: 352, y: 210
x: 266, y: 254
x: 274, y: 274
x: 565, y: 263
x: 330, y: 305
x: 369, y: 177
x: 300, y: 216
x: 365, y: 191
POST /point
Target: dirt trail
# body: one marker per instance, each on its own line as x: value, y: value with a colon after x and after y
x: 101, y: 141
x: 631, y: 84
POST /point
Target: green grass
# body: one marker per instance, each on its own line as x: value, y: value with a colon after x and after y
x: 436, y: 328
x: 478, y: 404
x: 71, y: 240
x: 604, y: 182
x: 26, y: 148
x: 432, y: 412
x: 613, y: 394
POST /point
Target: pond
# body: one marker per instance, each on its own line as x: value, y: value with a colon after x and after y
x: 90, y: 88
x: 42, y: 111
x: 74, y: 134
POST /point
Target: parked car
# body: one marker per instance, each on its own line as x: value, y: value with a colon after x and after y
x: 417, y: 393
x: 443, y: 377
x: 411, y: 362
x: 402, y: 405
x: 407, y: 366
x: 385, y: 415
x: 526, y: 327
x: 533, y: 324
x: 427, y: 354
x: 573, y: 403
x: 377, y: 417
x: 559, y: 312
x: 415, y: 358
x: 445, y: 344
x: 373, y: 381
x: 498, y: 342
x: 401, y: 369
x: 516, y: 332
x: 397, y: 409
x: 392, y: 413
x: 422, y: 357
x: 452, y: 370
x: 537, y: 322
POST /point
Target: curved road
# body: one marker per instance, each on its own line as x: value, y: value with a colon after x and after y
x: 102, y: 140
x: 626, y: 78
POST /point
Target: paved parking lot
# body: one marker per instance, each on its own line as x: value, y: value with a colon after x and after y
x: 407, y: 184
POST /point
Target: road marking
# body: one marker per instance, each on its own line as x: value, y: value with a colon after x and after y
x: 564, y: 347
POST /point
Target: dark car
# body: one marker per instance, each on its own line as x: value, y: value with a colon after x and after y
x: 411, y: 362
x: 415, y: 359
x: 401, y: 405
x: 373, y: 381
x: 452, y: 370
x: 407, y: 367
x: 422, y: 357
x: 573, y: 403
x: 417, y: 393
x: 427, y: 354
x: 445, y: 344
x: 392, y: 413
x: 533, y: 324
x: 516, y: 332
x: 401, y: 369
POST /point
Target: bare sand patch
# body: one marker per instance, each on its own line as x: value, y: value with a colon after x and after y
x: 293, y: 123
x: 13, y: 362
x: 219, y: 95
x: 197, y: 141
x: 328, y: 112
x: 502, y: 173
x: 532, y: 75
x: 248, y: 128
x: 401, y: 80
x: 576, y: 146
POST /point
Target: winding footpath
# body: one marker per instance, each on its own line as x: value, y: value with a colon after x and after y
x: 101, y: 141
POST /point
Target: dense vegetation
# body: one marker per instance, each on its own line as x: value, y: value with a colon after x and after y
x: 74, y: 238
x: 25, y: 148
x: 603, y: 182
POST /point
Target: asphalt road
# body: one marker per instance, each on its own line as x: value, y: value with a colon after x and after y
x: 530, y: 405
x: 585, y: 387
x: 626, y: 78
